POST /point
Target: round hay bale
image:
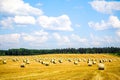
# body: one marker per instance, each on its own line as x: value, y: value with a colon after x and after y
x: 42, y: 62
x: 47, y: 64
x: 75, y: 62
x: 90, y: 63
x: 69, y: 60
x: 101, y: 66
x: 94, y: 62
x: 100, y: 61
x: 110, y: 60
x: 4, y: 62
x: 60, y: 61
x: 79, y: 60
x: 54, y: 62
x: 22, y: 65
x: 24, y: 61
x: 14, y: 59
x: 27, y: 62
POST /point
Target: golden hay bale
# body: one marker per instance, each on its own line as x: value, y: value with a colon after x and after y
x: 24, y: 60
x: 69, y: 60
x: 42, y: 62
x: 75, y: 62
x: 4, y: 62
x: 90, y: 63
x: 100, y: 61
x: 22, y: 65
x: 94, y: 62
x: 27, y: 62
x: 60, y: 61
x: 110, y: 60
x: 54, y: 62
x: 101, y: 66
x: 14, y: 59
x: 79, y: 60
x: 47, y: 63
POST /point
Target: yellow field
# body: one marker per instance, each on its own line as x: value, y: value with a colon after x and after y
x: 66, y: 70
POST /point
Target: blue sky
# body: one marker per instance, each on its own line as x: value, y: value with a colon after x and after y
x: 41, y: 24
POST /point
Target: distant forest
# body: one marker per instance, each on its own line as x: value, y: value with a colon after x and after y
x: 23, y: 51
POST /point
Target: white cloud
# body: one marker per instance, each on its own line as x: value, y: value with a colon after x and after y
x: 36, y: 37
x: 8, y: 41
x: 6, y: 23
x: 99, y: 26
x: 9, y: 38
x: 18, y: 7
x: 62, y: 40
x: 104, y: 6
x: 24, y: 20
x: 102, y: 41
x: 118, y: 33
x: 112, y: 22
x: 55, y: 23
x: 78, y: 39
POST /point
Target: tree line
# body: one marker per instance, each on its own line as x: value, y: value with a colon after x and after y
x: 23, y: 51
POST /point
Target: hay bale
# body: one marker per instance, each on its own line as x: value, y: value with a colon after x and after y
x: 24, y: 61
x: 75, y: 62
x: 4, y: 62
x: 100, y: 61
x: 90, y: 63
x: 27, y: 62
x: 79, y: 60
x: 69, y: 60
x: 14, y: 59
x: 42, y: 62
x: 47, y: 64
x: 22, y: 65
x: 101, y: 66
x: 60, y: 61
x: 54, y: 62
x: 94, y: 62
x: 110, y: 60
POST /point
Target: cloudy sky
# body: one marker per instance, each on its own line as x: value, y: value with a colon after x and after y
x: 41, y: 24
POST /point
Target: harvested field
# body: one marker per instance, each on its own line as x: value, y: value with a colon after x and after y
x: 40, y: 67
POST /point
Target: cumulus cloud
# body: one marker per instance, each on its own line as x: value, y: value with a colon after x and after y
x: 36, y: 37
x: 103, y: 41
x: 99, y: 26
x: 113, y: 21
x: 17, y: 20
x: 9, y: 38
x: 24, y: 20
x: 18, y: 7
x: 18, y: 12
x: 118, y: 33
x: 78, y: 38
x: 8, y: 41
x: 105, y: 6
x: 6, y: 23
x: 62, y: 40
x: 55, y: 23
